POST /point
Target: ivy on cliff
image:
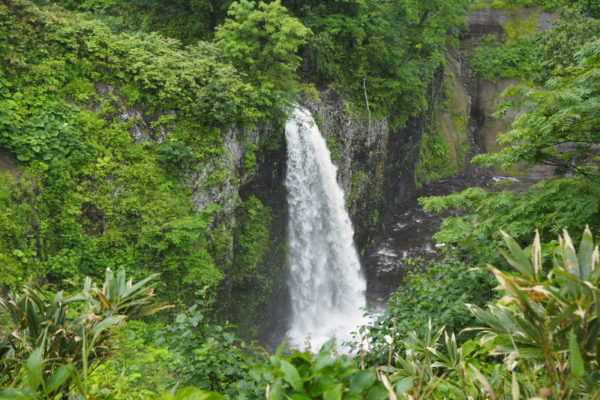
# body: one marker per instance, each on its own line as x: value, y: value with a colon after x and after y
x: 107, y: 126
x: 251, y: 280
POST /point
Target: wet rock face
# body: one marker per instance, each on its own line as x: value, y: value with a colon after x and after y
x: 489, y: 21
x: 375, y: 165
x: 8, y: 163
x: 352, y: 139
x: 486, y: 100
x: 485, y: 95
x: 486, y: 21
x: 407, y: 231
x: 225, y: 193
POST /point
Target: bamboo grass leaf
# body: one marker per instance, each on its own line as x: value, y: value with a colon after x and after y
x: 486, y: 385
x: 515, y: 387
x: 58, y: 378
x: 586, y: 250
x: 34, y: 367
x: 570, y: 261
x: 575, y: 358
x: 517, y: 257
x: 536, y: 257
x: 595, y: 274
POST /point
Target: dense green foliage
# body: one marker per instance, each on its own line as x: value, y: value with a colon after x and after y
x: 547, y: 309
x: 529, y: 55
x: 556, y: 126
x: 251, y: 278
x: 583, y: 6
x: 544, y: 329
x: 117, y: 121
x: 533, y: 327
x: 69, y: 334
x: 125, y: 374
x: 111, y: 121
x: 324, y: 375
x: 495, y: 60
x: 384, y: 55
x: 557, y: 47
x: 210, y: 356
x: 110, y: 128
x: 435, y: 160
x: 558, y: 129
x: 434, y: 292
x: 189, y: 20
x: 548, y: 206
x: 93, y: 187
x: 262, y: 42
x: 561, y: 130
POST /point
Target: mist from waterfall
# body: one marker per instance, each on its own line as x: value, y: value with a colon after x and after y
x: 326, y: 282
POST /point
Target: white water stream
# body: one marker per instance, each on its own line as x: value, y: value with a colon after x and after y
x: 326, y: 282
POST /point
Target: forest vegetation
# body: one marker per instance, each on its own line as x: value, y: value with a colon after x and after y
x: 118, y: 283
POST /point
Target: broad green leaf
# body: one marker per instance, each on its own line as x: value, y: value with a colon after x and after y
x: 192, y: 393
x: 291, y: 375
x: 58, y: 378
x: 298, y: 396
x: 377, y: 393
x: 327, y: 346
x: 362, y: 381
x: 322, y: 385
x: 324, y: 359
x: 333, y: 393
x: 403, y: 386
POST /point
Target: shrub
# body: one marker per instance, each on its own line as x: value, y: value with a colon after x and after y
x: 436, y: 293
x: 69, y: 335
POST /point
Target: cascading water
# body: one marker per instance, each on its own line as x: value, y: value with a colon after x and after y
x: 326, y: 282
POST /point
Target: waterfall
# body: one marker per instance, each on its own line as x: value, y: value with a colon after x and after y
x: 326, y: 282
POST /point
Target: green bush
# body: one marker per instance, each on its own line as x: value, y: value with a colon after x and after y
x: 546, y: 323
x: 261, y: 40
x: 71, y: 94
x: 494, y: 60
x: 556, y: 48
x: 125, y: 374
x: 325, y: 375
x: 209, y: 356
x: 434, y: 292
x: 548, y: 206
x: 58, y: 339
x: 435, y: 160
x: 544, y: 328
